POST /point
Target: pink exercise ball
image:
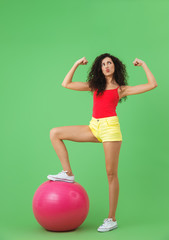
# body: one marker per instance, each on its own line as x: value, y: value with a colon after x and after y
x: 60, y: 206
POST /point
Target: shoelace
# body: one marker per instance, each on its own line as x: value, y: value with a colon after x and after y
x: 63, y: 171
x: 105, y: 221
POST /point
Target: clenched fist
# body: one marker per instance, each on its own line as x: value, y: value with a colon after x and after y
x: 82, y: 61
x: 138, y: 62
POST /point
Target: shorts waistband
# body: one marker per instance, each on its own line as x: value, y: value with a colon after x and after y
x: 105, y: 118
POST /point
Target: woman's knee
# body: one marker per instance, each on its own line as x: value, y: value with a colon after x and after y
x: 54, y: 132
x: 112, y: 177
x: 111, y: 173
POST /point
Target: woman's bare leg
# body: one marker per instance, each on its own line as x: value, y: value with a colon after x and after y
x: 77, y: 133
x: 112, y: 150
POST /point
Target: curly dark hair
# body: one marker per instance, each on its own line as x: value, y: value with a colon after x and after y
x: 96, y: 78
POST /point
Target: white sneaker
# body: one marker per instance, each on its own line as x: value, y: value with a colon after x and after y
x: 108, y: 225
x: 62, y: 176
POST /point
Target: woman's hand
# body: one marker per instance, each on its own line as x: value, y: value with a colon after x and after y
x: 82, y: 61
x: 138, y: 62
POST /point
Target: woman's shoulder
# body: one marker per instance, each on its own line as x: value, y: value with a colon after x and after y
x: 122, y: 88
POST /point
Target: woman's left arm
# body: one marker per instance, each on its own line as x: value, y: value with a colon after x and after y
x: 131, y: 90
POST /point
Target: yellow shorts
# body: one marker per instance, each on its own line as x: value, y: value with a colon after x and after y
x: 106, y: 129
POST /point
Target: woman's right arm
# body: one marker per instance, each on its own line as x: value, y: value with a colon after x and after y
x: 69, y: 76
x: 79, y: 86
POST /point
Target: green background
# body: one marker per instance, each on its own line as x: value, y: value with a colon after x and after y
x: 40, y: 41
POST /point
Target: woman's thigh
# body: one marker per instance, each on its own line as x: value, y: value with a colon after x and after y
x: 112, y: 151
x: 77, y: 133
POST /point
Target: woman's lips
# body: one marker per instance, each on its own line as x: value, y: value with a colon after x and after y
x: 107, y: 70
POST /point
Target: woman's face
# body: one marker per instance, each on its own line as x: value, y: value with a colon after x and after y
x: 107, y: 66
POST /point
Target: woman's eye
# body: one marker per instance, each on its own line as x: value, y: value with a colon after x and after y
x: 104, y: 64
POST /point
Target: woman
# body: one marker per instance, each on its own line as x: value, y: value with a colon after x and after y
x: 107, y: 81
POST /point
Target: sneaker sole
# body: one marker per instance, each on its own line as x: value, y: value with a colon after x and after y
x: 59, y: 179
x: 106, y: 230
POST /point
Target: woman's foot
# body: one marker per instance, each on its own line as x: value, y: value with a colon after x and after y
x: 64, y: 176
x: 107, y: 225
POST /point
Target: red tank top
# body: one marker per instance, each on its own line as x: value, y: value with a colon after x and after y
x: 105, y: 105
